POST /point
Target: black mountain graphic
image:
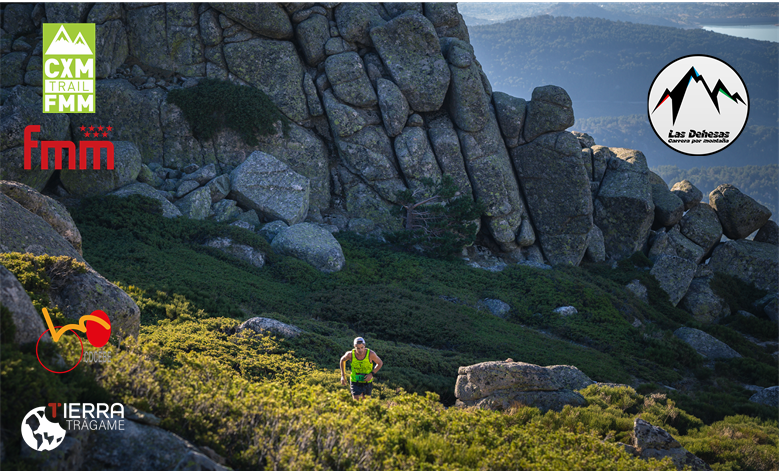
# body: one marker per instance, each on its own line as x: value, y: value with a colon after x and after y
x: 677, y: 94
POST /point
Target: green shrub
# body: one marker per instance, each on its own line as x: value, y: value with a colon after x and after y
x: 214, y: 104
x: 736, y: 443
x: 738, y: 294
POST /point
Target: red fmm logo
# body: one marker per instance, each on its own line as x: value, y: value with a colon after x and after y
x: 58, y: 146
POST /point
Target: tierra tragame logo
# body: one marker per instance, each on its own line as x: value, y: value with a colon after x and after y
x: 698, y: 105
x: 42, y: 434
x: 69, y: 68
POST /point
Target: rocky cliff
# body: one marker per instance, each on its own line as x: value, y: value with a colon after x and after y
x: 379, y: 96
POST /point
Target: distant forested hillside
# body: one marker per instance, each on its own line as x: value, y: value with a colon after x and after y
x: 608, y: 66
x: 757, y: 145
x: 759, y: 182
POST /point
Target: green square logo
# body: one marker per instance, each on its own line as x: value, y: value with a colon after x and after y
x: 69, y: 68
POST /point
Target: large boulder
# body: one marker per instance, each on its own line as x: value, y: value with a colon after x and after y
x: 446, y: 146
x: 28, y: 322
x: 753, y: 262
x: 312, y: 35
x: 273, y: 67
x: 497, y: 385
x: 24, y: 107
x: 511, y: 117
x: 90, y: 182
x: 683, y: 247
x: 259, y: 324
x: 268, y: 186
x: 768, y: 396
x: 409, y: 48
x: 769, y: 233
x: 416, y: 157
x: 356, y: 20
x: 652, y: 442
x: 674, y: 274
x: 705, y: 344
x: 562, y: 213
x: 23, y: 231
x: 168, y: 209
x: 312, y: 244
x: 52, y: 211
x: 393, y: 105
x: 196, y: 205
x: 346, y: 73
x: 700, y: 300
x: 467, y: 101
x: 550, y: 109
x: 688, y: 192
x: 624, y: 209
x: 242, y: 251
x: 669, y: 208
x: 701, y: 226
x: 739, y: 214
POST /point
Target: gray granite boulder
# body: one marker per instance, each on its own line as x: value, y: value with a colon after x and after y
x: 688, y: 192
x: 739, y: 214
x: 467, y: 102
x: 226, y: 211
x: 596, y: 247
x: 416, y: 157
x: 638, y: 289
x: 273, y: 67
x: 701, y: 226
x: 312, y: 244
x: 674, y: 274
x: 312, y: 35
x: 769, y: 305
x: 23, y: 231
x: 29, y: 325
x: 700, y: 300
x: 202, y: 175
x: 267, y: 19
x: 268, y: 186
x: 624, y: 209
x: 446, y: 146
x: 270, y: 230
x: 769, y: 233
x: 550, y: 109
x: 393, y: 105
x: 169, y: 210
x: 705, y: 344
x: 753, y: 262
x: 259, y: 324
x: 52, y: 211
x: 196, y: 205
x: 111, y: 46
x: 498, y: 308
x: 91, y: 182
x: 562, y: 213
x: 498, y: 385
x: 415, y: 64
x: 652, y: 442
x: 218, y: 187
x: 683, y: 247
x: 511, y: 117
x: 346, y: 73
x: 355, y: 22
x: 768, y: 396
x: 668, y: 207
x: 242, y: 251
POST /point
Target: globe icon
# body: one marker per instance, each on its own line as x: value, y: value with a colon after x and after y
x: 39, y: 433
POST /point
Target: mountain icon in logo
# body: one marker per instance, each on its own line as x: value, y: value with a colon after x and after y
x: 677, y: 94
x: 63, y: 46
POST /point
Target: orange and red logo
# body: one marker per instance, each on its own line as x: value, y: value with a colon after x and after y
x: 96, y: 325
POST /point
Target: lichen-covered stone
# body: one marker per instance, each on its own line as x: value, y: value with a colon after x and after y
x: 769, y: 233
x: 28, y: 322
x: 701, y: 226
x: 246, y: 253
x: 393, y: 105
x: 652, y: 442
x: 356, y: 20
x: 705, y: 344
x: 416, y: 157
x: 753, y: 262
x: 409, y: 48
x: 674, y: 274
x: 511, y: 117
x: 684, y: 247
x: 768, y: 396
x: 273, y: 67
x: 700, y: 300
x: 669, y: 208
x: 312, y: 244
x: 596, y: 247
x: 739, y: 214
x: 344, y: 120
x: 52, y: 211
x: 369, y: 154
x: 168, y: 209
x: 624, y: 209
x: 196, y: 205
x: 259, y: 324
x: 550, y: 109
x: 111, y: 47
x: 688, y: 192
x: 312, y: 35
x: 91, y: 182
x: 467, y: 102
x: 346, y: 73
x: 11, y: 69
x: 562, y: 213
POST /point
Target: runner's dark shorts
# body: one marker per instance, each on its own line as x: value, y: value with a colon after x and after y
x: 359, y: 388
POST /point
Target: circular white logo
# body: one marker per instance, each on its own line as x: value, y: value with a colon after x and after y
x: 698, y: 105
x: 39, y: 433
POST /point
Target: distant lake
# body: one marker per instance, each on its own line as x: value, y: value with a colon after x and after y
x: 761, y: 32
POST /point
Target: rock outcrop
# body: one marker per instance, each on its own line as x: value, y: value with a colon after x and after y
x: 705, y: 344
x: 498, y: 385
x: 312, y: 244
x: 652, y: 442
x: 29, y: 325
x: 259, y: 324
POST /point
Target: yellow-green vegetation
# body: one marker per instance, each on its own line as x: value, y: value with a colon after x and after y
x: 215, y: 104
x: 269, y: 402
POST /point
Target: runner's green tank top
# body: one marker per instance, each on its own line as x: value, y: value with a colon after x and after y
x: 360, y: 369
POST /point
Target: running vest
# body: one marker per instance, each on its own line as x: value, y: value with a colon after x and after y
x: 360, y: 369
